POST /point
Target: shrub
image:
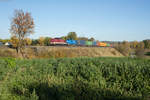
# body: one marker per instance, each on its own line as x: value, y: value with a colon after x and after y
x: 124, y: 49
x: 140, y: 52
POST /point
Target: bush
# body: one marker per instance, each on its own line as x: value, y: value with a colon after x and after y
x: 140, y: 52
x: 124, y: 49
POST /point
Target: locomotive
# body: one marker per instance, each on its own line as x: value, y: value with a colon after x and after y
x: 70, y: 42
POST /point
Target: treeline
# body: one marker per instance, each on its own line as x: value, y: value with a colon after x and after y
x: 132, y: 48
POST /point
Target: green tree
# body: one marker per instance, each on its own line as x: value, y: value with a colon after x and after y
x: 64, y: 37
x: 91, y: 39
x: 34, y: 42
x: 83, y: 38
x: 72, y: 35
x: 47, y: 41
x: 147, y: 43
x: 141, y: 45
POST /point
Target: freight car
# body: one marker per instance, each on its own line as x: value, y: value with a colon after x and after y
x: 59, y: 41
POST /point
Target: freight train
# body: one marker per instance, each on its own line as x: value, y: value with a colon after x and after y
x: 59, y: 41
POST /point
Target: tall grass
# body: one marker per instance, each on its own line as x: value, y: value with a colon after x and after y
x: 75, y: 79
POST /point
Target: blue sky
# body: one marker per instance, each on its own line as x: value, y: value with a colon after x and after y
x: 115, y: 20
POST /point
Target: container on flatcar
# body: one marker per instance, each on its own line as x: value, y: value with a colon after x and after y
x: 98, y: 43
x: 108, y: 45
x: 71, y: 42
x: 103, y: 44
x: 88, y: 43
x: 94, y: 43
x: 81, y: 42
x: 57, y: 41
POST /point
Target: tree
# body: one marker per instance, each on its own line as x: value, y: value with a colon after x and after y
x: 139, y: 51
x: 72, y: 35
x: 124, y: 48
x: 91, y: 39
x: 47, y: 41
x: 83, y: 38
x: 134, y: 44
x: 4, y: 40
x: 64, y: 37
x: 22, y: 25
x: 147, y: 43
x: 140, y: 45
x: 41, y: 41
x: 35, y: 42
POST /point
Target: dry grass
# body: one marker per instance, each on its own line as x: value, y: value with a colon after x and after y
x: 61, y: 52
x: 7, y: 52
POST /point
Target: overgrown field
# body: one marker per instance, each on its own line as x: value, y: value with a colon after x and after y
x: 75, y: 79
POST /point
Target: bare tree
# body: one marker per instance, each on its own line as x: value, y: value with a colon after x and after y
x: 22, y: 25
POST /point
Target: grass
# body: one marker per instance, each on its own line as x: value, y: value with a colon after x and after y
x: 61, y: 52
x: 75, y: 79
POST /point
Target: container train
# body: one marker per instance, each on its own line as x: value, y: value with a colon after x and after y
x: 69, y: 42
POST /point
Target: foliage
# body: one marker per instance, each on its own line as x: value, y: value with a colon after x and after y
x: 72, y: 35
x: 75, y: 79
x: 124, y: 48
x: 28, y: 41
x: 47, y: 41
x: 14, y: 40
x: 147, y: 43
x: 34, y: 42
x: 141, y: 45
x: 91, y: 39
x: 64, y: 37
x: 134, y: 44
x: 4, y: 40
x: 83, y: 38
x: 41, y: 41
x: 139, y: 52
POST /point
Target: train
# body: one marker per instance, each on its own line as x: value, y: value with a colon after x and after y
x: 70, y: 42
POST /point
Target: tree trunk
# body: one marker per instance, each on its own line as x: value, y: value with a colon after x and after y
x: 17, y: 50
x: 22, y: 52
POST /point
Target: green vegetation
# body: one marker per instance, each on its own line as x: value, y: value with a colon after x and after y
x: 75, y: 79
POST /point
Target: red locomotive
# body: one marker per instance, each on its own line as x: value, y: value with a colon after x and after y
x: 57, y: 41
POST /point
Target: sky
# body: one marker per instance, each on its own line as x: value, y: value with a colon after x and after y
x: 111, y: 20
